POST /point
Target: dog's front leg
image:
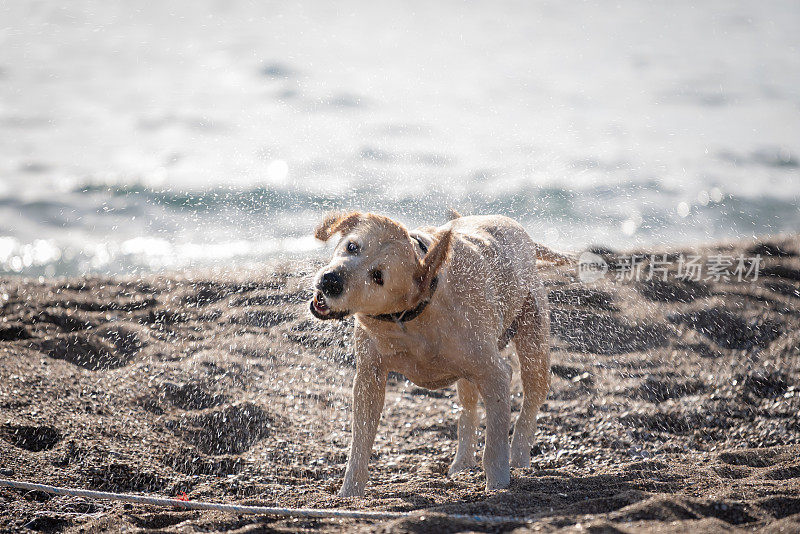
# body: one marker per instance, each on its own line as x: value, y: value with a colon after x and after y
x: 369, y: 388
x: 494, y: 387
x: 467, y: 426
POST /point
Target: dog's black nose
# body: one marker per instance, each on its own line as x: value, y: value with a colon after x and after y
x: 331, y: 284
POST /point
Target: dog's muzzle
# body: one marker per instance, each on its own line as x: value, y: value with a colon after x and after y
x: 320, y: 309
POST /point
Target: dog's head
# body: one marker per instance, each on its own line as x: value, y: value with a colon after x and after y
x: 375, y: 267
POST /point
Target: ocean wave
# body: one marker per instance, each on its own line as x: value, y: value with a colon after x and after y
x: 133, y: 227
x: 523, y: 199
x: 657, y: 207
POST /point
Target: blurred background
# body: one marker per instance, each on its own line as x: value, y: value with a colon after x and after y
x: 163, y: 135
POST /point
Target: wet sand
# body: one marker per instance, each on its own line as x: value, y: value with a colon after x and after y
x: 674, y: 407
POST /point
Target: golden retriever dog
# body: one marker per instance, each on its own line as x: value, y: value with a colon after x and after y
x: 438, y: 305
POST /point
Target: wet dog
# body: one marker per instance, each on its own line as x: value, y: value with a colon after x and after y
x: 438, y: 305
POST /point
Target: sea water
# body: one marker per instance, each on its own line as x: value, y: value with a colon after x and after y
x: 136, y: 137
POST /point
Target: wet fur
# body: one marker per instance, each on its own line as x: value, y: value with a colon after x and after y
x: 487, y: 289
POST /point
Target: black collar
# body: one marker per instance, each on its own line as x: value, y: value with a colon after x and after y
x: 408, y: 315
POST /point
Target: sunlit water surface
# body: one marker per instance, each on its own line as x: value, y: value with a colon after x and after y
x: 138, y: 137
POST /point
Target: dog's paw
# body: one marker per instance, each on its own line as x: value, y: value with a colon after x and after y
x: 461, y: 464
x: 350, y: 491
x: 499, y: 482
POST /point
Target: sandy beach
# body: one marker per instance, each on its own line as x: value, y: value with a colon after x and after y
x: 674, y: 407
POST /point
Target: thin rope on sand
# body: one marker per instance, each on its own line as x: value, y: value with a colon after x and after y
x: 244, y: 509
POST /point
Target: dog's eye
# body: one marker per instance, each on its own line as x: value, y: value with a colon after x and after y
x: 377, y: 277
x: 352, y: 247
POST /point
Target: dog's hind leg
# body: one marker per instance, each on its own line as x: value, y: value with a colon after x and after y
x: 532, y: 341
x: 467, y: 426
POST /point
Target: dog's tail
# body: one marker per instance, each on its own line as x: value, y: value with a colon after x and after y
x: 556, y: 258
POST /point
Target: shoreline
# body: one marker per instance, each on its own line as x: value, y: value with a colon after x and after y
x: 249, y: 263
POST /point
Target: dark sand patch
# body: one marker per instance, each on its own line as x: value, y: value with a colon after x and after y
x: 585, y: 331
x: 30, y: 438
x: 88, y: 351
x: 672, y: 291
x: 230, y: 430
x: 729, y: 330
x: 13, y: 332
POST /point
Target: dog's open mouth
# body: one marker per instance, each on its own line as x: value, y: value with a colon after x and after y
x: 320, y: 305
x: 320, y: 309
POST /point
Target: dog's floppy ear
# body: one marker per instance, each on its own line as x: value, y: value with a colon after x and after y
x: 429, y: 266
x: 335, y: 223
